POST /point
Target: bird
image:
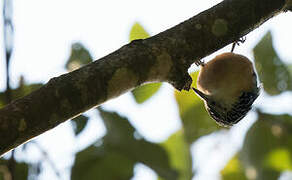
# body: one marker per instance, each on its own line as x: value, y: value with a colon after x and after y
x: 228, y: 86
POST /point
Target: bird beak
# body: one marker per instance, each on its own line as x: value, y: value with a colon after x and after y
x: 201, y: 94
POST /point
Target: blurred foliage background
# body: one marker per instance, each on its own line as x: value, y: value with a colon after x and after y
x: 265, y: 153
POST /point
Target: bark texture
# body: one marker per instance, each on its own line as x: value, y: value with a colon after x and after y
x: 164, y: 57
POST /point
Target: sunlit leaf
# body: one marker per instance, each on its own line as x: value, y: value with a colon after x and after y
x: 144, y: 92
x: 138, y: 32
x: 233, y: 170
x: 279, y: 159
x: 187, y: 99
x: 268, y: 146
x: 179, y: 153
x: 79, y: 123
x: 196, y: 121
x: 79, y: 57
x: 273, y: 73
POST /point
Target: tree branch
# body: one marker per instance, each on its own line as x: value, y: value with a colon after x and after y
x: 164, y: 57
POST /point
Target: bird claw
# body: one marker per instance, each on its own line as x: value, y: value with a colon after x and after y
x: 240, y: 40
x: 237, y: 42
x: 199, y: 62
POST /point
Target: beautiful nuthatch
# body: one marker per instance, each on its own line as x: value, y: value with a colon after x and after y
x: 228, y: 86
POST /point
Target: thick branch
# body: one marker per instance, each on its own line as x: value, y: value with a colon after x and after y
x: 164, y: 57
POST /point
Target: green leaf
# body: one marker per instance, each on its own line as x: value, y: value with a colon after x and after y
x: 272, y: 72
x: 268, y: 146
x: 144, y: 92
x: 79, y: 57
x: 196, y: 121
x: 138, y: 32
x: 115, y: 155
x: 279, y: 159
x: 79, y: 123
x: 101, y: 163
x: 233, y: 170
x: 179, y: 153
x: 124, y: 138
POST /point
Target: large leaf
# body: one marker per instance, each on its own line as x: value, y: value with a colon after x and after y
x: 121, y: 137
x: 79, y: 57
x: 272, y: 72
x: 144, y: 92
x: 123, y: 143
x: 268, y: 146
x: 79, y: 123
x: 179, y: 153
x: 196, y: 121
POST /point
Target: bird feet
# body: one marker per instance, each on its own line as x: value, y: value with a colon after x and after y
x: 237, y: 42
x: 199, y: 62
